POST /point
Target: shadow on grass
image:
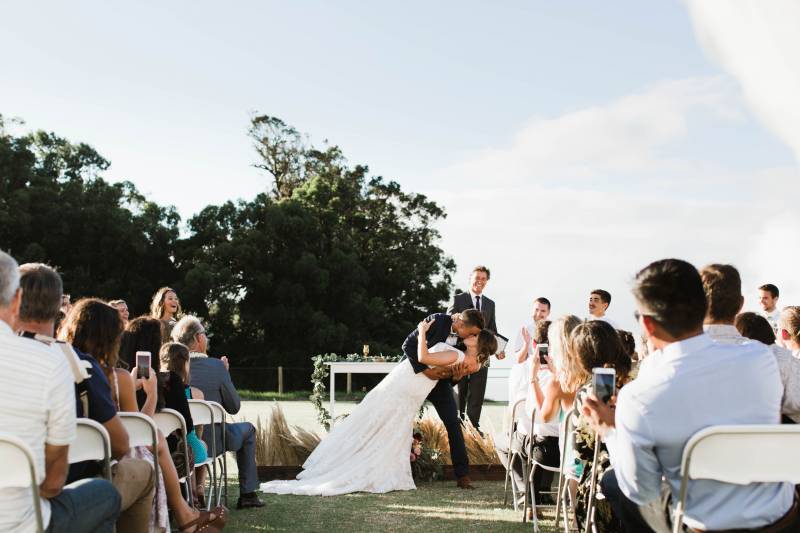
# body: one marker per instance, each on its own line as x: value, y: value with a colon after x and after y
x: 434, y: 507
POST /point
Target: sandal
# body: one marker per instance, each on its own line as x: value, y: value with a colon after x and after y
x: 204, y: 522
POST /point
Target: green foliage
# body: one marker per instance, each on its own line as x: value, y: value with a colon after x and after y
x: 327, y: 259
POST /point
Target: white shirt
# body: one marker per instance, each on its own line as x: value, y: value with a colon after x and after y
x: 473, y: 296
x: 788, y: 366
x: 604, y: 318
x: 519, y: 375
x: 37, y: 405
x: 772, y: 317
x: 691, y: 385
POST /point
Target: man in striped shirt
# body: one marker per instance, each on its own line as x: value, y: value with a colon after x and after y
x: 37, y: 405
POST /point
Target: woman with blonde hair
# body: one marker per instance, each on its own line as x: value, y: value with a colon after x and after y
x: 165, y: 307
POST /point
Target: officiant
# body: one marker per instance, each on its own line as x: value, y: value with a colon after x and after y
x: 472, y: 388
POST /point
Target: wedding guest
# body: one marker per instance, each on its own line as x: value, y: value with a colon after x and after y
x: 723, y: 288
x: 165, y: 307
x: 95, y: 327
x: 789, y: 329
x: 518, y: 375
x: 599, y: 301
x: 768, y: 298
x: 122, y: 307
x: 595, y: 344
x: 472, y: 388
x: 133, y: 478
x: 38, y: 407
x: 211, y: 376
x: 646, y: 440
x: 66, y: 303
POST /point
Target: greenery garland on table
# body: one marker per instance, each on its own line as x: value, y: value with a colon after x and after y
x: 322, y: 371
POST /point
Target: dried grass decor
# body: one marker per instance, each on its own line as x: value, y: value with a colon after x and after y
x: 480, y: 448
x: 278, y: 444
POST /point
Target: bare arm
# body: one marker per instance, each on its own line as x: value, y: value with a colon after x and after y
x: 547, y: 400
x: 120, y: 444
x: 127, y: 393
x: 522, y: 354
x: 55, y: 470
x: 150, y: 387
x: 432, y: 359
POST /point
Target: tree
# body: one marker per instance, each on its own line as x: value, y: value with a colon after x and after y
x: 106, y: 239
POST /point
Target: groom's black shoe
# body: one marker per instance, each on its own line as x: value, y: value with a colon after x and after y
x: 464, y: 482
x: 249, y: 500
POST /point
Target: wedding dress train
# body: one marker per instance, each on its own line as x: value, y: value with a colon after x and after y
x: 369, y: 450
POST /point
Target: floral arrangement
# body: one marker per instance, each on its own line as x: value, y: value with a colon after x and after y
x: 426, y: 463
x: 321, y: 372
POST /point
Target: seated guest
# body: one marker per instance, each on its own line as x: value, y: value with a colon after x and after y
x: 693, y: 382
x: 789, y: 329
x: 756, y: 327
x: 595, y: 345
x: 211, y: 376
x: 95, y: 327
x: 175, y: 361
x: 122, y: 307
x: 37, y: 405
x: 723, y: 288
x: 133, y: 478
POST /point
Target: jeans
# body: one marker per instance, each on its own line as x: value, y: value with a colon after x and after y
x: 87, y: 505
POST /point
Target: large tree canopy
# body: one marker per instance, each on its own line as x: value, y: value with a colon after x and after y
x: 328, y: 258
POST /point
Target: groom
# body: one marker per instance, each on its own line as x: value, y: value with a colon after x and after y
x: 447, y: 328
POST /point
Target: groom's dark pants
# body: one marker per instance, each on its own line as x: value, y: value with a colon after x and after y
x: 444, y: 401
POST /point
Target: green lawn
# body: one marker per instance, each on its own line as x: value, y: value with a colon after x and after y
x: 434, y: 507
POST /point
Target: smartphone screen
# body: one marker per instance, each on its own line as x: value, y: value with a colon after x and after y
x: 603, y: 382
x: 544, y: 351
x: 142, y: 365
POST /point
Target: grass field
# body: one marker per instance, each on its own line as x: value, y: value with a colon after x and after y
x: 432, y: 508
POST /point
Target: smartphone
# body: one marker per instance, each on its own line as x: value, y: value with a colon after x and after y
x: 544, y: 351
x: 603, y: 383
x: 142, y: 365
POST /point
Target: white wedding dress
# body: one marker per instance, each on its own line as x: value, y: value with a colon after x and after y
x: 369, y: 450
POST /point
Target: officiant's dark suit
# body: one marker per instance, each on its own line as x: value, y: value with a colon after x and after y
x: 441, y: 396
x: 472, y: 389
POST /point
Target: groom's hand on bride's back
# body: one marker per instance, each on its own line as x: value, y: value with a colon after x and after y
x: 438, y: 372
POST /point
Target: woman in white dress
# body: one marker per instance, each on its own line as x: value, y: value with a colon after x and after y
x: 368, y: 451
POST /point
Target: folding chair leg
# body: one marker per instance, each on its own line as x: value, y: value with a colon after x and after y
x: 527, y: 493
x: 558, y: 495
x: 592, y: 486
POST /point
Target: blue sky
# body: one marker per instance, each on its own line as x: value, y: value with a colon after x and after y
x: 580, y: 138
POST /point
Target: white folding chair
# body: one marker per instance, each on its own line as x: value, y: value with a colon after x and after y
x: 203, y: 415
x: 512, y: 455
x: 169, y: 421
x: 221, y: 456
x: 92, y: 443
x: 567, y: 483
x: 142, y: 431
x: 712, y: 452
x: 19, y: 471
x: 530, y: 469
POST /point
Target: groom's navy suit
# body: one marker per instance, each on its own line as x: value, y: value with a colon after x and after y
x: 442, y: 396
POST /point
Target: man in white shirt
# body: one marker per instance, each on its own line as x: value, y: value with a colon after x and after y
x: 520, y: 369
x: 599, y: 301
x: 692, y: 384
x: 768, y: 298
x: 37, y: 405
x: 723, y: 287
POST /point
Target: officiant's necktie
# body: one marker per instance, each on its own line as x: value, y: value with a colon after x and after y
x: 478, y: 302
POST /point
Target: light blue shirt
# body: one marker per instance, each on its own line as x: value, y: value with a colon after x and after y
x: 689, y: 386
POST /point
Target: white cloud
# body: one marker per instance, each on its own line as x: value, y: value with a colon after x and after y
x: 584, y: 200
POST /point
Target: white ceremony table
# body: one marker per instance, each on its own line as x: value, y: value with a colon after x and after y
x: 345, y: 367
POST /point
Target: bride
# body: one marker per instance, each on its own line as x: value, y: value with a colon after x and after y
x: 369, y: 450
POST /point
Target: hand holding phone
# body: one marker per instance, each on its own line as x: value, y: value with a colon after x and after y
x: 143, y: 365
x: 543, y: 350
x: 604, y: 383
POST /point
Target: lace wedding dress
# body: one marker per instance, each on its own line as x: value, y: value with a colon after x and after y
x: 369, y: 450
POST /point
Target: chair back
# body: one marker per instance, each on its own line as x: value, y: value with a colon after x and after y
x: 202, y: 412
x: 19, y: 470
x: 92, y: 443
x: 170, y: 420
x: 517, y: 410
x: 141, y: 429
x: 725, y: 454
x: 219, y: 412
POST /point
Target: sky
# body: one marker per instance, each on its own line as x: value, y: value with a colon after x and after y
x: 571, y: 143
